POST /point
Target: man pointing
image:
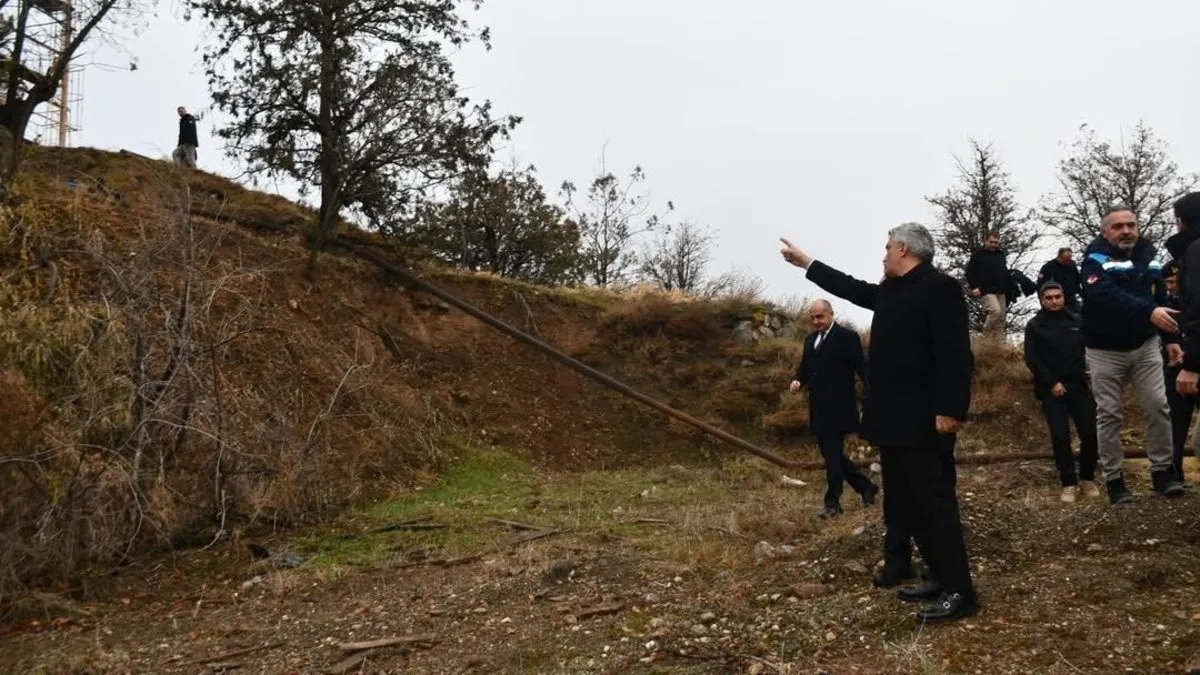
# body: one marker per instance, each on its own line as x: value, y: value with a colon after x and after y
x: 919, y: 365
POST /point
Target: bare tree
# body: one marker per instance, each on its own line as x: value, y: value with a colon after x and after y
x: 355, y: 96
x: 678, y: 258
x: 982, y: 200
x: 34, y: 73
x: 610, y: 222
x: 1096, y: 175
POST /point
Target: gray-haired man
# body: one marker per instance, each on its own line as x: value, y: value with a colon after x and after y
x: 919, y: 367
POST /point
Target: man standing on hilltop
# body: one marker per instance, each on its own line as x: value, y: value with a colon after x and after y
x: 1125, y: 323
x: 833, y: 355
x: 1062, y: 271
x: 919, y: 373
x: 185, y: 150
x: 988, y: 280
x: 1054, y: 352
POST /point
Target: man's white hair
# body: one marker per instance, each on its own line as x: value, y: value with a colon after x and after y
x: 917, y: 238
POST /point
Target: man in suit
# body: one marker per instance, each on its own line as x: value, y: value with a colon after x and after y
x: 833, y: 354
x: 919, y: 367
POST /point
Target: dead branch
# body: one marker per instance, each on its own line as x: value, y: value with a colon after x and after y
x: 601, y: 610
x: 530, y: 324
x: 515, y: 525
x: 420, y: 639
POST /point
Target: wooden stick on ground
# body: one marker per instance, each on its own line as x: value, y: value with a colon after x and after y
x: 234, y: 654
x: 514, y: 524
x: 422, y: 638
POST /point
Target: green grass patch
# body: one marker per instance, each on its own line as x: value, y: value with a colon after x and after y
x: 478, y: 484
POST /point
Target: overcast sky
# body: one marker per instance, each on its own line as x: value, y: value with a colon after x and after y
x: 824, y: 122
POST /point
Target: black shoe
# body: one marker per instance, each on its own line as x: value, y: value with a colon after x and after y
x: 1117, y: 492
x: 829, y: 512
x: 950, y: 607
x: 1166, y: 483
x: 890, y: 577
x: 925, y: 591
x: 869, y: 495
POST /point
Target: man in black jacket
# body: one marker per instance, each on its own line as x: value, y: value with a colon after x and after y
x: 1054, y: 353
x: 919, y: 370
x: 987, y: 277
x: 1186, y: 254
x: 1125, y: 323
x: 185, y: 151
x: 1063, y: 271
x: 833, y: 355
x: 1183, y: 408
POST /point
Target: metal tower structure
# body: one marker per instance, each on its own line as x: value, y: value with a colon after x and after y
x: 49, y: 32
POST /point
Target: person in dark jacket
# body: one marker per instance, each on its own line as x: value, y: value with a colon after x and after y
x: 833, y: 355
x: 1186, y: 254
x: 1124, y: 324
x: 1054, y: 353
x: 1063, y: 271
x: 185, y: 150
x: 1183, y: 408
x: 988, y: 279
x: 919, y: 368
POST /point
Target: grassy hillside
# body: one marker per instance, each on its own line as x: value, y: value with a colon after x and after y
x: 172, y: 378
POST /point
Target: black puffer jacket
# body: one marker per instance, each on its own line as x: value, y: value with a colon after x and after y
x: 1054, y: 350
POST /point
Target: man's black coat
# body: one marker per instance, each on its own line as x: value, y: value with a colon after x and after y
x: 919, y: 361
x: 828, y: 372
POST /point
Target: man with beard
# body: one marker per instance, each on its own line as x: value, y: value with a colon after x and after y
x: 919, y: 368
x: 1124, y: 326
x: 988, y: 279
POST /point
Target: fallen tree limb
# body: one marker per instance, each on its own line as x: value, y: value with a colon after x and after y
x: 611, y: 608
x: 515, y: 525
x: 422, y: 638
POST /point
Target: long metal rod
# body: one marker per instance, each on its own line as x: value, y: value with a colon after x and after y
x: 409, y: 277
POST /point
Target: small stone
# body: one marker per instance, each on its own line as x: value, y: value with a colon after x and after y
x: 858, y: 530
x: 856, y: 567
x: 699, y: 629
x: 1093, y: 548
x: 764, y: 550
x: 708, y: 617
x: 657, y: 622
x: 830, y: 636
x: 756, y: 669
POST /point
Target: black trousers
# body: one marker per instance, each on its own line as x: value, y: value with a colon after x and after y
x: 919, y: 497
x: 897, y: 541
x: 1182, y: 410
x: 839, y: 468
x: 1077, y: 406
x: 897, y: 547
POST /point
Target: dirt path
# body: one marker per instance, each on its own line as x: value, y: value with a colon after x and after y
x: 647, y: 571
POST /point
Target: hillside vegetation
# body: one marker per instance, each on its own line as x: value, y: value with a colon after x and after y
x: 171, y: 376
